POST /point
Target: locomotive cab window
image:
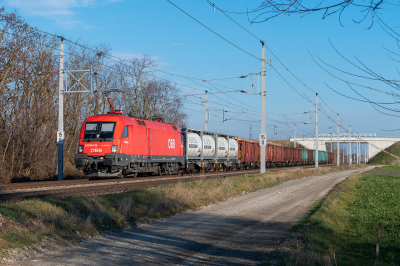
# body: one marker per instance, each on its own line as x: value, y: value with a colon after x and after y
x: 125, y: 132
x: 99, y: 131
x: 91, y: 128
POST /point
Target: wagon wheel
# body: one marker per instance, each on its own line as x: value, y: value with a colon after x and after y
x: 191, y: 170
x: 123, y: 174
x: 159, y: 171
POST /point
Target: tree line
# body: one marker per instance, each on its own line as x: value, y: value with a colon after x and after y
x: 29, y: 80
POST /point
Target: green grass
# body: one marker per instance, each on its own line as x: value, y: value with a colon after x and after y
x: 393, y: 171
x: 342, y: 228
x: 391, y: 167
x: 76, y: 218
x: 383, y: 158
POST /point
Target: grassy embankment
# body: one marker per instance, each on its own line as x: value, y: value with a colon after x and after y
x: 342, y: 228
x: 75, y: 218
x: 383, y: 158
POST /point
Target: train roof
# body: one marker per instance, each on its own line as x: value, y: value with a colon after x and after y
x: 131, y: 121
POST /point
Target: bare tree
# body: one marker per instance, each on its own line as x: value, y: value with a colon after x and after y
x: 268, y: 9
x: 29, y: 97
x: 366, y: 79
x: 144, y: 95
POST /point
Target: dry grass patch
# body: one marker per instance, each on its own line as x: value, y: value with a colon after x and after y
x: 77, y: 218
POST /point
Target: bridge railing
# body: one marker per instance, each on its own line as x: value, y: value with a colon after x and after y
x: 341, y: 136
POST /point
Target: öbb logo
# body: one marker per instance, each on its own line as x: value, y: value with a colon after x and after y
x: 171, y: 143
x: 96, y: 150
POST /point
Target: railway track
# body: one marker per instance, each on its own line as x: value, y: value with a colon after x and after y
x: 90, y: 187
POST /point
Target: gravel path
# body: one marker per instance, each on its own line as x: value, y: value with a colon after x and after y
x: 240, y: 231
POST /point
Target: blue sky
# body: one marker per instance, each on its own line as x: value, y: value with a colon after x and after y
x: 184, y: 47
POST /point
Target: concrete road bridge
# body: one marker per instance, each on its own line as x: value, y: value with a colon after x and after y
x: 369, y: 145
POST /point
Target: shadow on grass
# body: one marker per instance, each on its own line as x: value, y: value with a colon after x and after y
x: 322, y: 246
x: 79, y: 217
x: 24, y: 179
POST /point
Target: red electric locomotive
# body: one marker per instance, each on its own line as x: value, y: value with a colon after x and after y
x: 114, y: 145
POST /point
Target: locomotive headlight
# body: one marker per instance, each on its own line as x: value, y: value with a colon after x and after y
x: 80, y: 148
x: 114, y: 148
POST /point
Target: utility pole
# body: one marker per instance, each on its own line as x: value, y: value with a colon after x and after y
x: 357, y: 149
x: 331, y: 141
x: 295, y: 135
x: 343, y: 152
x: 262, y: 168
x: 350, y: 146
x: 337, y: 150
x: 362, y: 152
x: 365, y: 152
x: 60, y: 133
x: 356, y: 155
x: 68, y: 88
x: 316, y: 130
x: 205, y: 113
x: 250, y: 133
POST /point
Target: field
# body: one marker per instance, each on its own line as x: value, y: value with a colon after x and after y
x: 36, y: 223
x: 342, y: 228
x: 383, y: 158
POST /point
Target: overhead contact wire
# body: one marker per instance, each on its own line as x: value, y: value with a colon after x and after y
x: 214, y: 32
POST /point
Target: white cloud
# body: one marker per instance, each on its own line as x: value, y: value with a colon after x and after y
x: 62, y: 11
x: 47, y: 7
x: 68, y: 24
x: 90, y: 27
x: 88, y: 2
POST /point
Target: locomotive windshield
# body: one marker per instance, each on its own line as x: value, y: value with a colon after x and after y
x: 99, y: 131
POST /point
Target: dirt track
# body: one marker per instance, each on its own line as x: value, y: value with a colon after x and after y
x: 240, y: 231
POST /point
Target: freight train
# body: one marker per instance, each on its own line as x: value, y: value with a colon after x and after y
x: 115, y: 145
